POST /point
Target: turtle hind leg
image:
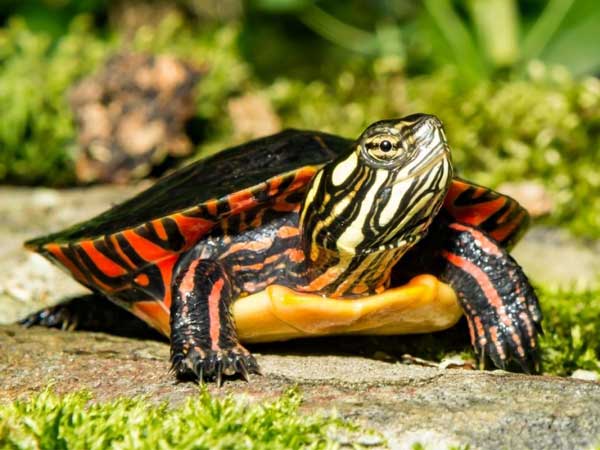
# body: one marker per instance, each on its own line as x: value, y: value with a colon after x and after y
x: 501, y: 306
x: 204, y: 343
x: 92, y: 312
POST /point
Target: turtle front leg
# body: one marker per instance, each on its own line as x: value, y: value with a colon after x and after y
x: 501, y: 306
x: 204, y: 342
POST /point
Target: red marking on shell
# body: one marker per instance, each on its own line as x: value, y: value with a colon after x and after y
x: 145, y: 248
x: 89, y: 277
x: 154, y: 314
x: 285, y: 206
x: 166, y: 271
x: 479, y: 214
x: 479, y: 192
x: 487, y: 245
x: 213, y: 312
x: 258, y: 219
x: 242, y: 200
x: 160, y: 229
x: 211, y: 206
x: 502, y: 232
x: 192, y: 228
x: 120, y: 252
x: 457, y: 187
x: 471, y: 214
x: 102, y: 262
x: 510, y: 210
x: 142, y: 279
x: 302, y: 177
x: 274, y: 184
x: 57, y: 252
x: 102, y: 285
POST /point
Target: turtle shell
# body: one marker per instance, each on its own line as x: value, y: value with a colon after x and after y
x: 177, y: 211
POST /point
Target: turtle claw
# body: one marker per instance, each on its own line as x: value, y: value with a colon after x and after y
x: 243, y: 371
x: 58, y: 316
x: 509, y: 334
x: 214, y: 365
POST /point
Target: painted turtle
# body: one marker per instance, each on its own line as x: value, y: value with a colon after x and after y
x: 304, y: 233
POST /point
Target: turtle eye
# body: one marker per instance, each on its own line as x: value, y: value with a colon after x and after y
x: 385, y: 146
x: 382, y: 149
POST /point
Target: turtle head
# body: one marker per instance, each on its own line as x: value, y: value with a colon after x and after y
x: 383, y: 192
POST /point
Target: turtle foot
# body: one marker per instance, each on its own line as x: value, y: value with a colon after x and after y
x: 509, y: 333
x: 91, y: 313
x: 59, y: 316
x: 202, y: 365
x: 500, y: 304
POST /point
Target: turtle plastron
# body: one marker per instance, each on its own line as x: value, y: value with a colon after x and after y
x: 423, y: 305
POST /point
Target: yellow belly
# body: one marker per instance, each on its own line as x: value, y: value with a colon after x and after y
x: 423, y: 305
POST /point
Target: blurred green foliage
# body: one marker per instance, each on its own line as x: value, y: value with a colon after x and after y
x: 516, y: 120
x: 36, y: 127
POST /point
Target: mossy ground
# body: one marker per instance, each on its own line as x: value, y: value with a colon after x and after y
x: 74, y: 421
x: 571, y: 337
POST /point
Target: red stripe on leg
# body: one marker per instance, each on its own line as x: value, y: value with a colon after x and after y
x: 490, y: 292
x: 187, y: 283
x: 486, y: 245
x: 213, y: 311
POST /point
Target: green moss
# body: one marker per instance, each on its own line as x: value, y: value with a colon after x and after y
x: 36, y: 130
x: 72, y: 421
x: 571, y: 337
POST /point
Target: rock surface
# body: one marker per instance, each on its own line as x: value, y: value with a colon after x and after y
x: 486, y: 410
